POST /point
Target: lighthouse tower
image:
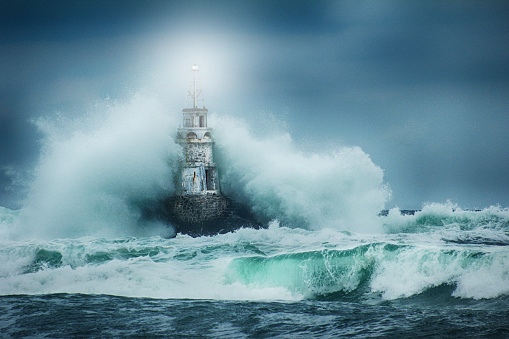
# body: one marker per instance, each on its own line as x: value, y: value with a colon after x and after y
x: 198, y: 207
x: 198, y: 170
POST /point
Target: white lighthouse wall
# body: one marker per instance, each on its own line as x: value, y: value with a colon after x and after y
x: 193, y: 180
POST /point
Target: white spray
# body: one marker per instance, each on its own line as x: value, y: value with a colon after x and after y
x: 92, y: 170
x: 93, y: 167
x: 339, y: 188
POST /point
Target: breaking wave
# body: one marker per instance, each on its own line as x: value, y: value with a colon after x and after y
x: 391, y: 270
x: 450, y: 223
x: 277, y: 263
x: 94, y: 170
x: 341, y: 188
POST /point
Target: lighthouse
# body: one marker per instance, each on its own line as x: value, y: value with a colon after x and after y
x: 198, y: 170
x: 198, y: 206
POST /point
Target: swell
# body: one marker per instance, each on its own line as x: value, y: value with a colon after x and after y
x: 378, y: 270
x: 259, y: 265
x: 489, y: 226
x: 87, y: 252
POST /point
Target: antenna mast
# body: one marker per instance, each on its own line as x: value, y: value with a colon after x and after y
x: 195, y: 92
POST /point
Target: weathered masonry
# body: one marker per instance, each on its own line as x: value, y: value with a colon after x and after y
x: 198, y: 207
x: 198, y: 172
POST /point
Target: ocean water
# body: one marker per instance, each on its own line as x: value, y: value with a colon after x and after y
x: 438, y: 275
x: 78, y: 259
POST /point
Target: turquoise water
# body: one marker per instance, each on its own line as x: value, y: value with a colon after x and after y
x: 438, y: 272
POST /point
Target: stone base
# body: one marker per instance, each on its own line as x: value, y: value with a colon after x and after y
x: 198, y: 209
x: 198, y: 215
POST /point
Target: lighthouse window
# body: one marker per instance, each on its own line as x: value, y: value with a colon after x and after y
x: 191, y: 135
x: 202, y: 121
x: 210, y: 180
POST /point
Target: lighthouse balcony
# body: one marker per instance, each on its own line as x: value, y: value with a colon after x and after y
x: 195, y: 110
x: 195, y: 134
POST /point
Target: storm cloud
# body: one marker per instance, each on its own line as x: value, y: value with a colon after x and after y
x: 423, y: 87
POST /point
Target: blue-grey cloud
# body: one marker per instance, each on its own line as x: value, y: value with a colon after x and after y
x: 422, y: 87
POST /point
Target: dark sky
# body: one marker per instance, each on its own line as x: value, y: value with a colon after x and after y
x: 421, y: 86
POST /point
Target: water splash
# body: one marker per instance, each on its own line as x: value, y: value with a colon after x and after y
x: 338, y: 188
x: 94, y: 169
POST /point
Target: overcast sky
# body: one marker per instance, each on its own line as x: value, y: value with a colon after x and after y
x: 421, y: 86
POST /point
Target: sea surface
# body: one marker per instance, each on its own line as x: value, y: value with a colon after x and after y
x: 79, y: 259
x: 442, y: 272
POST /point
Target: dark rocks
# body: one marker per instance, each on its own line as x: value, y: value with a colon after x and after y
x: 198, y: 215
x: 198, y: 209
